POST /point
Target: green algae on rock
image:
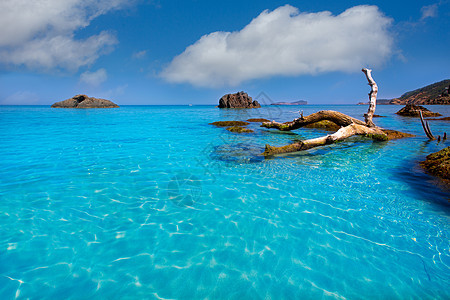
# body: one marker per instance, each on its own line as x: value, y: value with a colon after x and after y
x: 239, y: 129
x: 324, y: 124
x: 438, y: 163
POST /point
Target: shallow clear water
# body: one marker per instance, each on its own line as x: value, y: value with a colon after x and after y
x: 152, y: 202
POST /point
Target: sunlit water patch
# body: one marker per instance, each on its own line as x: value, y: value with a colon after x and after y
x: 128, y: 203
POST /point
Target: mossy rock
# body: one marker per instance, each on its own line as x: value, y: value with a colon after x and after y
x: 229, y: 123
x: 438, y: 163
x: 378, y: 137
x: 324, y: 124
x: 258, y: 120
x: 394, y: 134
x: 239, y: 129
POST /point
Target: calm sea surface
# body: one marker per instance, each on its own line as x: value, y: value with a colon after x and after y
x: 152, y: 202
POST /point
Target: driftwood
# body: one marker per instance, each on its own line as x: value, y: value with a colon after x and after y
x: 341, y: 134
x: 349, y: 126
x: 330, y: 115
x: 426, y: 127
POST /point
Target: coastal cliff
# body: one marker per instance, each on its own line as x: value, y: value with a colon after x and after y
x: 436, y: 93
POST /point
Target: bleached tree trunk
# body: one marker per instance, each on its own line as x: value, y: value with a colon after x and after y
x: 372, y: 98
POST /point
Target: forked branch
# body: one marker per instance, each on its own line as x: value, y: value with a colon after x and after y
x: 426, y: 127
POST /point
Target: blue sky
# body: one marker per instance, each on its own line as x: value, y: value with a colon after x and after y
x: 180, y: 52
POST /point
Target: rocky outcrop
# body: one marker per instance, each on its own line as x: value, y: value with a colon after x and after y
x: 438, y: 163
x: 238, y: 100
x: 83, y: 101
x: 411, y: 110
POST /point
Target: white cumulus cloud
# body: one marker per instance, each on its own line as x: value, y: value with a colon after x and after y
x: 94, y: 78
x: 41, y: 33
x: 285, y: 42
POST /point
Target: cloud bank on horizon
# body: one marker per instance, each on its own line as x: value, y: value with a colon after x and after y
x: 41, y: 34
x: 285, y: 42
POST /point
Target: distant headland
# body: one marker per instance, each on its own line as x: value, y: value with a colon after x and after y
x: 299, y: 102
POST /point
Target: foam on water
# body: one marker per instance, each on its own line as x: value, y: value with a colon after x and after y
x: 152, y: 202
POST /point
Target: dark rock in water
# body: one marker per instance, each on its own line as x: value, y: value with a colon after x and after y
x: 83, y: 101
x: 238, y: 153
x: 411, y: 110
x: 229, y: 123
x: 438, y: 163
x: 239, y: 129
x: 238, y: 100
x: 258, y: 120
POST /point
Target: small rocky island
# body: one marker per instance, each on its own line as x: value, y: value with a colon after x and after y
x: 238, y: 100
x: 83, y: 101
x: 411, y: 110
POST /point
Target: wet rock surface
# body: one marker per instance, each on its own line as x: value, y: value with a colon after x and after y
x: 438, y: 163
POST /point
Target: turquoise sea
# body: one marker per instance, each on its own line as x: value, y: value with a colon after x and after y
x: 151, y: 202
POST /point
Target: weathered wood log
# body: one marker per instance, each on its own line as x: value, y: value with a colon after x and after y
x: 372, y: 98
x: 334, y: 116
x: 341, y: 134
x: 349, y: 126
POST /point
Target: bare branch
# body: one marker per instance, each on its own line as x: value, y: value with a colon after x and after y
x: 372, y: 98
x: 426, y: 127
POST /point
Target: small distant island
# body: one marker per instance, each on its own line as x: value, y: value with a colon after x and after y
x: 83, y: 101
x: 433, y: 94
x: 299, y: 102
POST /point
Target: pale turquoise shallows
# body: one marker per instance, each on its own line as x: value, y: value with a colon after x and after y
x: 151, y: 202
